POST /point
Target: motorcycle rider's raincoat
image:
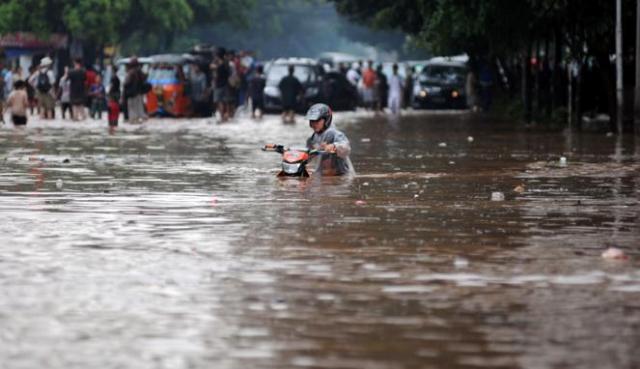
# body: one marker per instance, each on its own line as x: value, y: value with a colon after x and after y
x: 332, y: 164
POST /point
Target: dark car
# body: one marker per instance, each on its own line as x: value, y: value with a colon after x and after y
x: 441, y: 85
x: 338, y: 92
x: 308, y: 71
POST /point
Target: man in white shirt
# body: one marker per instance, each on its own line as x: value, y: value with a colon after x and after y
x: 353, y: 76
x: 396, y: 87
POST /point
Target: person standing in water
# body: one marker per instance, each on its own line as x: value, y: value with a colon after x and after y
x: 18, y: 103
x: 395, y: 91
x: 291, y: 90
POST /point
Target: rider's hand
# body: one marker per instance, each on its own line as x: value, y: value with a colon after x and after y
x: 330, y: 148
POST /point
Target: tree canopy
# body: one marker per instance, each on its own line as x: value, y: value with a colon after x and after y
x: 113, y: 21
x: 493, y: 27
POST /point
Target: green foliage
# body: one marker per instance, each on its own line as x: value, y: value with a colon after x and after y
x: 94, y: 20
x: 23, y: 15
x: 113, y: 21
x: 494, y: 27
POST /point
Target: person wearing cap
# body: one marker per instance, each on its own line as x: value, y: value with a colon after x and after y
x: 43, y: 81
x: 335, y: 144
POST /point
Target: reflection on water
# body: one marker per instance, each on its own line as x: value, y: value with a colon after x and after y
x: 173, y: 245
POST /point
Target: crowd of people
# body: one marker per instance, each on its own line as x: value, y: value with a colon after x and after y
x: 378, y: 91
x: 218, y: 87
x: 76, y: 91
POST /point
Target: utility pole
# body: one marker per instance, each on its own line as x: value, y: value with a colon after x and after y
x: 619, y: 86
x: 636, y: 105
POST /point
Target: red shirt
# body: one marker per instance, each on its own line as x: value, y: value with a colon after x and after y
x: 369, y: 78
x: 90, y: 78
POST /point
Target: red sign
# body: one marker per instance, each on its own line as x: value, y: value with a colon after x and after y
x: 27, y: 40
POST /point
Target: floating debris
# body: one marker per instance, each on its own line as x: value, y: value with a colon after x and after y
x: 460, y: 262
x: 562, y: 162
x: 366, y: 139
x: 59, y: 184
x: 497, y: 196
x: 360, y: 202
x: 613, y: 253
x: 442, y: 144
x: 470, y: 139
x: 519, y: 188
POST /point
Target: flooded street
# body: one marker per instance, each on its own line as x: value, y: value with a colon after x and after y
x: 173, y: 245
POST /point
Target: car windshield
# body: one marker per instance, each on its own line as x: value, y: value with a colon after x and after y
x: 277, y: 71
x: 448, y: 74
x: 163, y: 74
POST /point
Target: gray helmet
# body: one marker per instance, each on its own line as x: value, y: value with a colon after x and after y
x: 320, y: 111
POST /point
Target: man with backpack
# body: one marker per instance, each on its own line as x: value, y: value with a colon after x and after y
x: 43, y: 80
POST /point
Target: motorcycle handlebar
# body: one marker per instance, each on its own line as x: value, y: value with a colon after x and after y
x: 281, y: 149
x: 273, y: 147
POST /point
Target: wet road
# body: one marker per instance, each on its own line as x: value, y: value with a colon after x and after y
x: 173, y: 245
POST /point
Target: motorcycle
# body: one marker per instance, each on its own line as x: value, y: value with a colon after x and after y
x: 294, y: 161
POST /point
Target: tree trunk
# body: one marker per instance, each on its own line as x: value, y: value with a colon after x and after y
x: 619, y: 76
x: 526, y: 85
x: 570, y: 96
x: 557, y: 73
x: 547, y: 80
x: 636, y: 110
x: 610, y: 88
x: 578, y: 94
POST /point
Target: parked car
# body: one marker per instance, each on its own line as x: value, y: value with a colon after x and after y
x: 338, y: 92
x: 121, y: 70
x: 308, y: 71
x: 441, y: 84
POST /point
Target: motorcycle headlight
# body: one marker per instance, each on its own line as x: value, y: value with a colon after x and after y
x: 272, y: 91
x: 290, y: 168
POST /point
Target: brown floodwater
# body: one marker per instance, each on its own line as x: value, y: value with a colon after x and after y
x: 173, y: 245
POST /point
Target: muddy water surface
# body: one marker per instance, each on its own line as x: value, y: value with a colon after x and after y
x: 173, y: 245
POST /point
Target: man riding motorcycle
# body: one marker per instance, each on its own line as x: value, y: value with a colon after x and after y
x: 335, y: 160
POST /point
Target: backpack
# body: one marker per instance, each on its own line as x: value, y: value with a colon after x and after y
x: 42, y: 83
x: 234, y: 80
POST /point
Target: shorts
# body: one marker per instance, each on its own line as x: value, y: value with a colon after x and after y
x: 19, y: 120
x: 78, y: 100
x: 368, y: 96
x: 231, y: 95
x: 257, y: 103
x: 289, y: 104
x: 219, y: 94
x: 46, y: 101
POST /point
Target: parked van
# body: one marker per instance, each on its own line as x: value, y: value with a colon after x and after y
x: 169, y: 94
